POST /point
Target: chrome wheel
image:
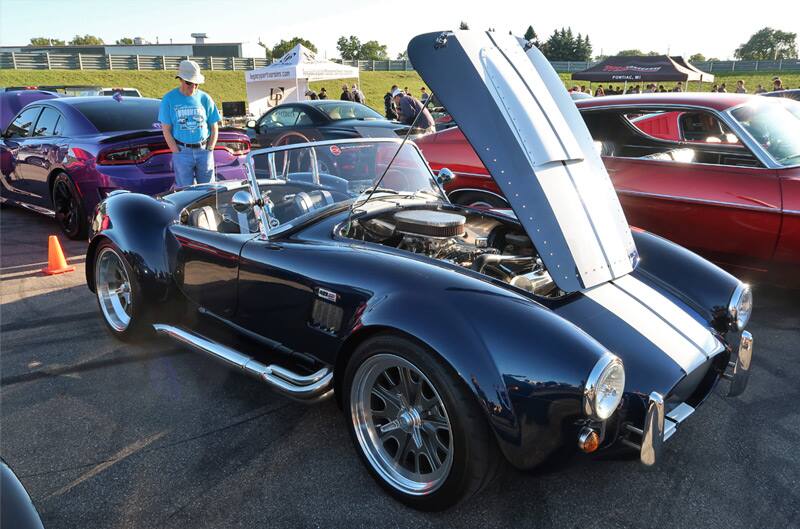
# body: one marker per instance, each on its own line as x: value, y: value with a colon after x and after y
x: 113, y: 289
x: 401, y: 424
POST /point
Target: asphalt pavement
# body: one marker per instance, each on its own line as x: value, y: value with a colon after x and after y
x: 111, y: 435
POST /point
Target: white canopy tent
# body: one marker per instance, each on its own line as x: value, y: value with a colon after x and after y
x: 287, y: 79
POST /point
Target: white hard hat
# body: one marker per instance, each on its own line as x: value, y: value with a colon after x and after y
x: 189, y: 71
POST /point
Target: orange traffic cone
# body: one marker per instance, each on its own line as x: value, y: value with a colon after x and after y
x: 56, y: 263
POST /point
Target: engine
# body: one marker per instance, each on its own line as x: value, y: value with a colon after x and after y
x: 483, y: 244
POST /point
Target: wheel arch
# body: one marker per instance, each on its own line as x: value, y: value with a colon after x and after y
x: 456, y: 193
x: 514, y: 387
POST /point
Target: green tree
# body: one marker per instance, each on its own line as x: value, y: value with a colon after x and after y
x: 348, y: 47
x: 86, y: 40
x: 280, y: 49
x: 126, y: 41
x: 697, y: 57
x: 636, y: 52
x: 531, y: 36
x: 45, y: 41
x: 372, y: 50
x: 768, y: 44
x: 564, y: 46
x: 402, y: 56
x: 463, y: 25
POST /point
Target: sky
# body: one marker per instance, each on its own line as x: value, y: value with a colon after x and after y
x: 682, y: 27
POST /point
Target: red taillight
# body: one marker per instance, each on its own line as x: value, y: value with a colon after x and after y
x: 235, y: 147
x: 131, y: 155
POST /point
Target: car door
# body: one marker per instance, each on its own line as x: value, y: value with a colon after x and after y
x: 729, y: 213
x: 286, y: 124
x: 208, y: 242
x: 16, y: 151
x: 42, y: 152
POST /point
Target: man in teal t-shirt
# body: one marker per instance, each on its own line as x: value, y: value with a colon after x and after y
x: 190, y: 121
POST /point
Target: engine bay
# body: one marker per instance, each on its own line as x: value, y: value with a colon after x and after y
x: 489, y: 246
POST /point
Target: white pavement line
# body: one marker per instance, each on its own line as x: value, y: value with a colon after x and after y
x: 43, y: 263
x: 116, y: 458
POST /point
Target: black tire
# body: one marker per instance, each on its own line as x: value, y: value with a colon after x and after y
x: 471, y: 449
x: 137, y: 325
x: 478, y: 199
x: 67, y: 204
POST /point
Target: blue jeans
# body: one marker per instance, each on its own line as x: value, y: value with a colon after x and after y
x: 192, y: 165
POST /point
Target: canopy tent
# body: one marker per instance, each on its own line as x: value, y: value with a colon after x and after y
x: 642, y: 69
x: 287, y: 79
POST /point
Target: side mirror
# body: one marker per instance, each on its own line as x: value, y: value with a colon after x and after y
x: 445, y: 175
x: 242, y: 201
x: 251, y: 124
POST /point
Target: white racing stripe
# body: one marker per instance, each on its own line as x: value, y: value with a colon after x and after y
x: 668, y: 310
x: 641, y: 317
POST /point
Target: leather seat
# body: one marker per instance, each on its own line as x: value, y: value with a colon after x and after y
x: 206, y: 218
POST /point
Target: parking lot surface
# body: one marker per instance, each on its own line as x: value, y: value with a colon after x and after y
x: 112, y: 435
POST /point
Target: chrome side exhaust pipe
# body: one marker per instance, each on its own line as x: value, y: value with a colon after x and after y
x: 306, y: 388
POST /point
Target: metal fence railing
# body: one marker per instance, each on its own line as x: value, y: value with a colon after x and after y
x: 79, y: 61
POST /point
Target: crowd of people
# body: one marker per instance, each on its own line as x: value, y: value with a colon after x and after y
x: 650, y: 88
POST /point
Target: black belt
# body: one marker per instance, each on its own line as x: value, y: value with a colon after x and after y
x: 200, y: 145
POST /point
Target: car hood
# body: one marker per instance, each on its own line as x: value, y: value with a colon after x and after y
x: 514, y: 110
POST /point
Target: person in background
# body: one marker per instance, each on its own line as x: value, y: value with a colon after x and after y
x: 715, y: 88
x: 723, y: 89
x: 409, y: 107
x: 190, y: 123
x: 599, y: 91
x: 777, y: 84
x: 740, y: 89
x: 423, y: 96
x: 583, y: 89
x: 760, y: 89
x: 322, y: 93
x: 358, y: 95
x: 388, y: 103
x: 346, y: 94
x: 678, y: 87
x: 311, y: 94
x: 649, y: 89
x: 661, y: 88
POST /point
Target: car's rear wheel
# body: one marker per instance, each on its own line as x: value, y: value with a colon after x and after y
x: 418, y: 429
x: 118, y: 293
x: 68, y: 207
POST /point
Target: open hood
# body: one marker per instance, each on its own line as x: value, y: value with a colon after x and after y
x: 513, y: 108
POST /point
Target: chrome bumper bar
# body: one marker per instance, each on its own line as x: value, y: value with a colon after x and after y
x: 658, y: 426
x: 307, y: 388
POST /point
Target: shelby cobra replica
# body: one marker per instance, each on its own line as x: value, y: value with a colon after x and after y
x: 451, y: 337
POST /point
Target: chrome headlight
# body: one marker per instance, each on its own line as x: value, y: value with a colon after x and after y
x: 604, y: 387
x: 741, y: 306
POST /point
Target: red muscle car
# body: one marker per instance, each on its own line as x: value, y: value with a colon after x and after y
x: 717, y: 173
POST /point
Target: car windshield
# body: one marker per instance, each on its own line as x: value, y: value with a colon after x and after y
x: 775, y: 127
x: 338, y: 110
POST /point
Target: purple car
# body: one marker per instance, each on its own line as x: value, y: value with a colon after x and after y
x: 61, y: 156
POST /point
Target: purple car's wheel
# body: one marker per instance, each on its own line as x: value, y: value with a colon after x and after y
x: 418, y: 428
x: 68, y: 208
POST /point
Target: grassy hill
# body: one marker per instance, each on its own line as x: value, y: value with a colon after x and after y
x: 229, y: 86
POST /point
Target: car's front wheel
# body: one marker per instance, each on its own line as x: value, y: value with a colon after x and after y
x: 418, y: 429
x: 118, y: 293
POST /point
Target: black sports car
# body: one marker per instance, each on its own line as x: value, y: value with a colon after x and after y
x: 320, y: 120
x: 451, y: 337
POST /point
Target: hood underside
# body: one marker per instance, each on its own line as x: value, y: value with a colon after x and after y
x: 514, y: 110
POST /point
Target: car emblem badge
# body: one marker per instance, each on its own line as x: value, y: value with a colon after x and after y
x: 327, y: 295
x: 335, y: 150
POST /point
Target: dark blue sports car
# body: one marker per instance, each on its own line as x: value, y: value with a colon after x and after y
x: 450, y: 337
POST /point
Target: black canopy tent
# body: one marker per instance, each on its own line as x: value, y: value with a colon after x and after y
x: 640, y: 69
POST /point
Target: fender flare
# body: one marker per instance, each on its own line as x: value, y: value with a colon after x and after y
x: 528, y: 415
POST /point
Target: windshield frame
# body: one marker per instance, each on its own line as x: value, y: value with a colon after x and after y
x: 766, y: 157
x: 266, y: 222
